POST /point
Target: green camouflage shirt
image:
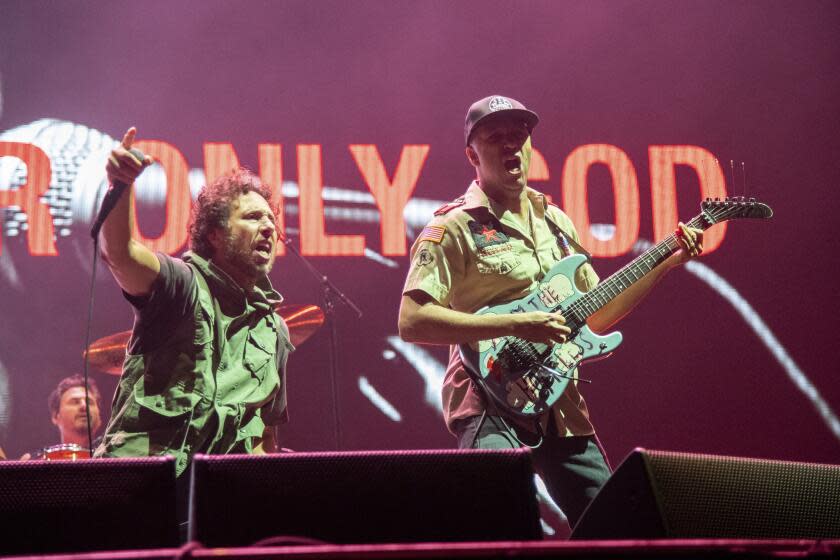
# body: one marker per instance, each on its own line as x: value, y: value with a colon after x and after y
x: 205, y: 368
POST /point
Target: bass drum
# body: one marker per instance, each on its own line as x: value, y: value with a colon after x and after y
x: 64, y: 452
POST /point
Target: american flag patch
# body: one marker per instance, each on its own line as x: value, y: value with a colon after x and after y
x: 432, y: 233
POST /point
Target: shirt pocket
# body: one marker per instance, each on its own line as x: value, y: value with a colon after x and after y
x: 168, y: 402
x: 502, y: 263
x: 259, y: 351
x: 203, y: 322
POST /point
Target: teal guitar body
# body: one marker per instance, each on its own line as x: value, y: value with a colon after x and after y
x: 528, y: 377
x: 525, y: 378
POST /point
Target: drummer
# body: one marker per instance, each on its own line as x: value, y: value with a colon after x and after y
x: 68, y: 410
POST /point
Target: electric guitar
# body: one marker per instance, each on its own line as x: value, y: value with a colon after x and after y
x: 525, y: 378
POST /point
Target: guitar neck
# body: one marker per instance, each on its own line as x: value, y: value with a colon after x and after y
x: 628, y: 275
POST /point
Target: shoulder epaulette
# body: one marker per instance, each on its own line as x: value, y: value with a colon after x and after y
x: 449, y: 206
x: 550, y: 204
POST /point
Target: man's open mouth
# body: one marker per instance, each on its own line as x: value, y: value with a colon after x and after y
x: 264, y: 248
x: 512, y: 164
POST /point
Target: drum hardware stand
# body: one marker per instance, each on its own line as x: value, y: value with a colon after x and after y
x: 330, y: 296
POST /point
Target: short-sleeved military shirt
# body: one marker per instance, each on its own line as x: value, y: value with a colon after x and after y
x: 205, y: 370
x: 474, y: 254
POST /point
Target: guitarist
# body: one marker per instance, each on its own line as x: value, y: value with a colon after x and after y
x: 491, y: 246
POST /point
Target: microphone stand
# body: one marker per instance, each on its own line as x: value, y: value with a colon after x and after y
x: 330, y: 296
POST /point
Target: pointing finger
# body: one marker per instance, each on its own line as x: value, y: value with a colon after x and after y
x: 128, y: 138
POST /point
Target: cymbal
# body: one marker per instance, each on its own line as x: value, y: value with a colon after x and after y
x: 107, y: 353
x: 302, y: 320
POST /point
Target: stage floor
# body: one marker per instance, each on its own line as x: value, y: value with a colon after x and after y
x: 681, y: 548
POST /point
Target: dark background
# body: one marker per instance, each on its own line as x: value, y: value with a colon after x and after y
x: 753, y: 82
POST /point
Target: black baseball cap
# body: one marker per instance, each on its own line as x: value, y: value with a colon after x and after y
x: 497, y: 105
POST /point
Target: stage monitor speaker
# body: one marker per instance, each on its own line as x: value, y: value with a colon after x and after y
x: 662, y: 494
x: 365, y: 497
x: 95, y: 504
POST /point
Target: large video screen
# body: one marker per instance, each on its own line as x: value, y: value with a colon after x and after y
x: 353, y: 113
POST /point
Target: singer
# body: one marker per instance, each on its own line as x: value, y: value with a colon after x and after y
x: 205, y: 370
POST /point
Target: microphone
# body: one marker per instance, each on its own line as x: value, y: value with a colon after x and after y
x: 112, y: 195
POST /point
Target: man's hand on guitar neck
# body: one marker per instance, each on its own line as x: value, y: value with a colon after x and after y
x: 548, y: 328
x: 691, y: 241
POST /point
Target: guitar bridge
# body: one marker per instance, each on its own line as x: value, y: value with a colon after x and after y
x: 517, y: 356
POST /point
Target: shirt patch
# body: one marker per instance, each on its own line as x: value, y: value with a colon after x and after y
x: 486, y: 235
x: 491, y: 250
x: 432, y: 233
x: 424, y: 257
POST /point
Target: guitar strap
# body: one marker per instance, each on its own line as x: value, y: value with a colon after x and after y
x: 564, y: 240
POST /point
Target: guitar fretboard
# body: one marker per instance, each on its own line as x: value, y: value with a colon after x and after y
x: 628, y: 275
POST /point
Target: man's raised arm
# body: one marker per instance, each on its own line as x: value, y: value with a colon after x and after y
x: 134, y: 266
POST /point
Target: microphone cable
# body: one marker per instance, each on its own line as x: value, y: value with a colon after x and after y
x: 109, y: 200
x: 87, y: 341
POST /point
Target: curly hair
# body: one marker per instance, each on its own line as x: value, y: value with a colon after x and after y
x: 212, y: 209
x: 54, y: 400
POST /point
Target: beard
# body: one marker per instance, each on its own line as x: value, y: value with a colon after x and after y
x: 81, y: 423
x: 241, y: 259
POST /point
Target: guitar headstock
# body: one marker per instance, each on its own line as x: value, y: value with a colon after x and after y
x: 736, y: 208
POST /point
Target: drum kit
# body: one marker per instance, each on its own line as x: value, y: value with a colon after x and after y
x: 107, y: 355
x: 62, y: 452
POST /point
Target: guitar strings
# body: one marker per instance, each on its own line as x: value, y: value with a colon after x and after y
x: 627, y: 275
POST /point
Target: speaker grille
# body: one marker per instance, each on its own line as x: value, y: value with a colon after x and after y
x: 99, y: 504
x: 365, y: 497
x: 716, y: 496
